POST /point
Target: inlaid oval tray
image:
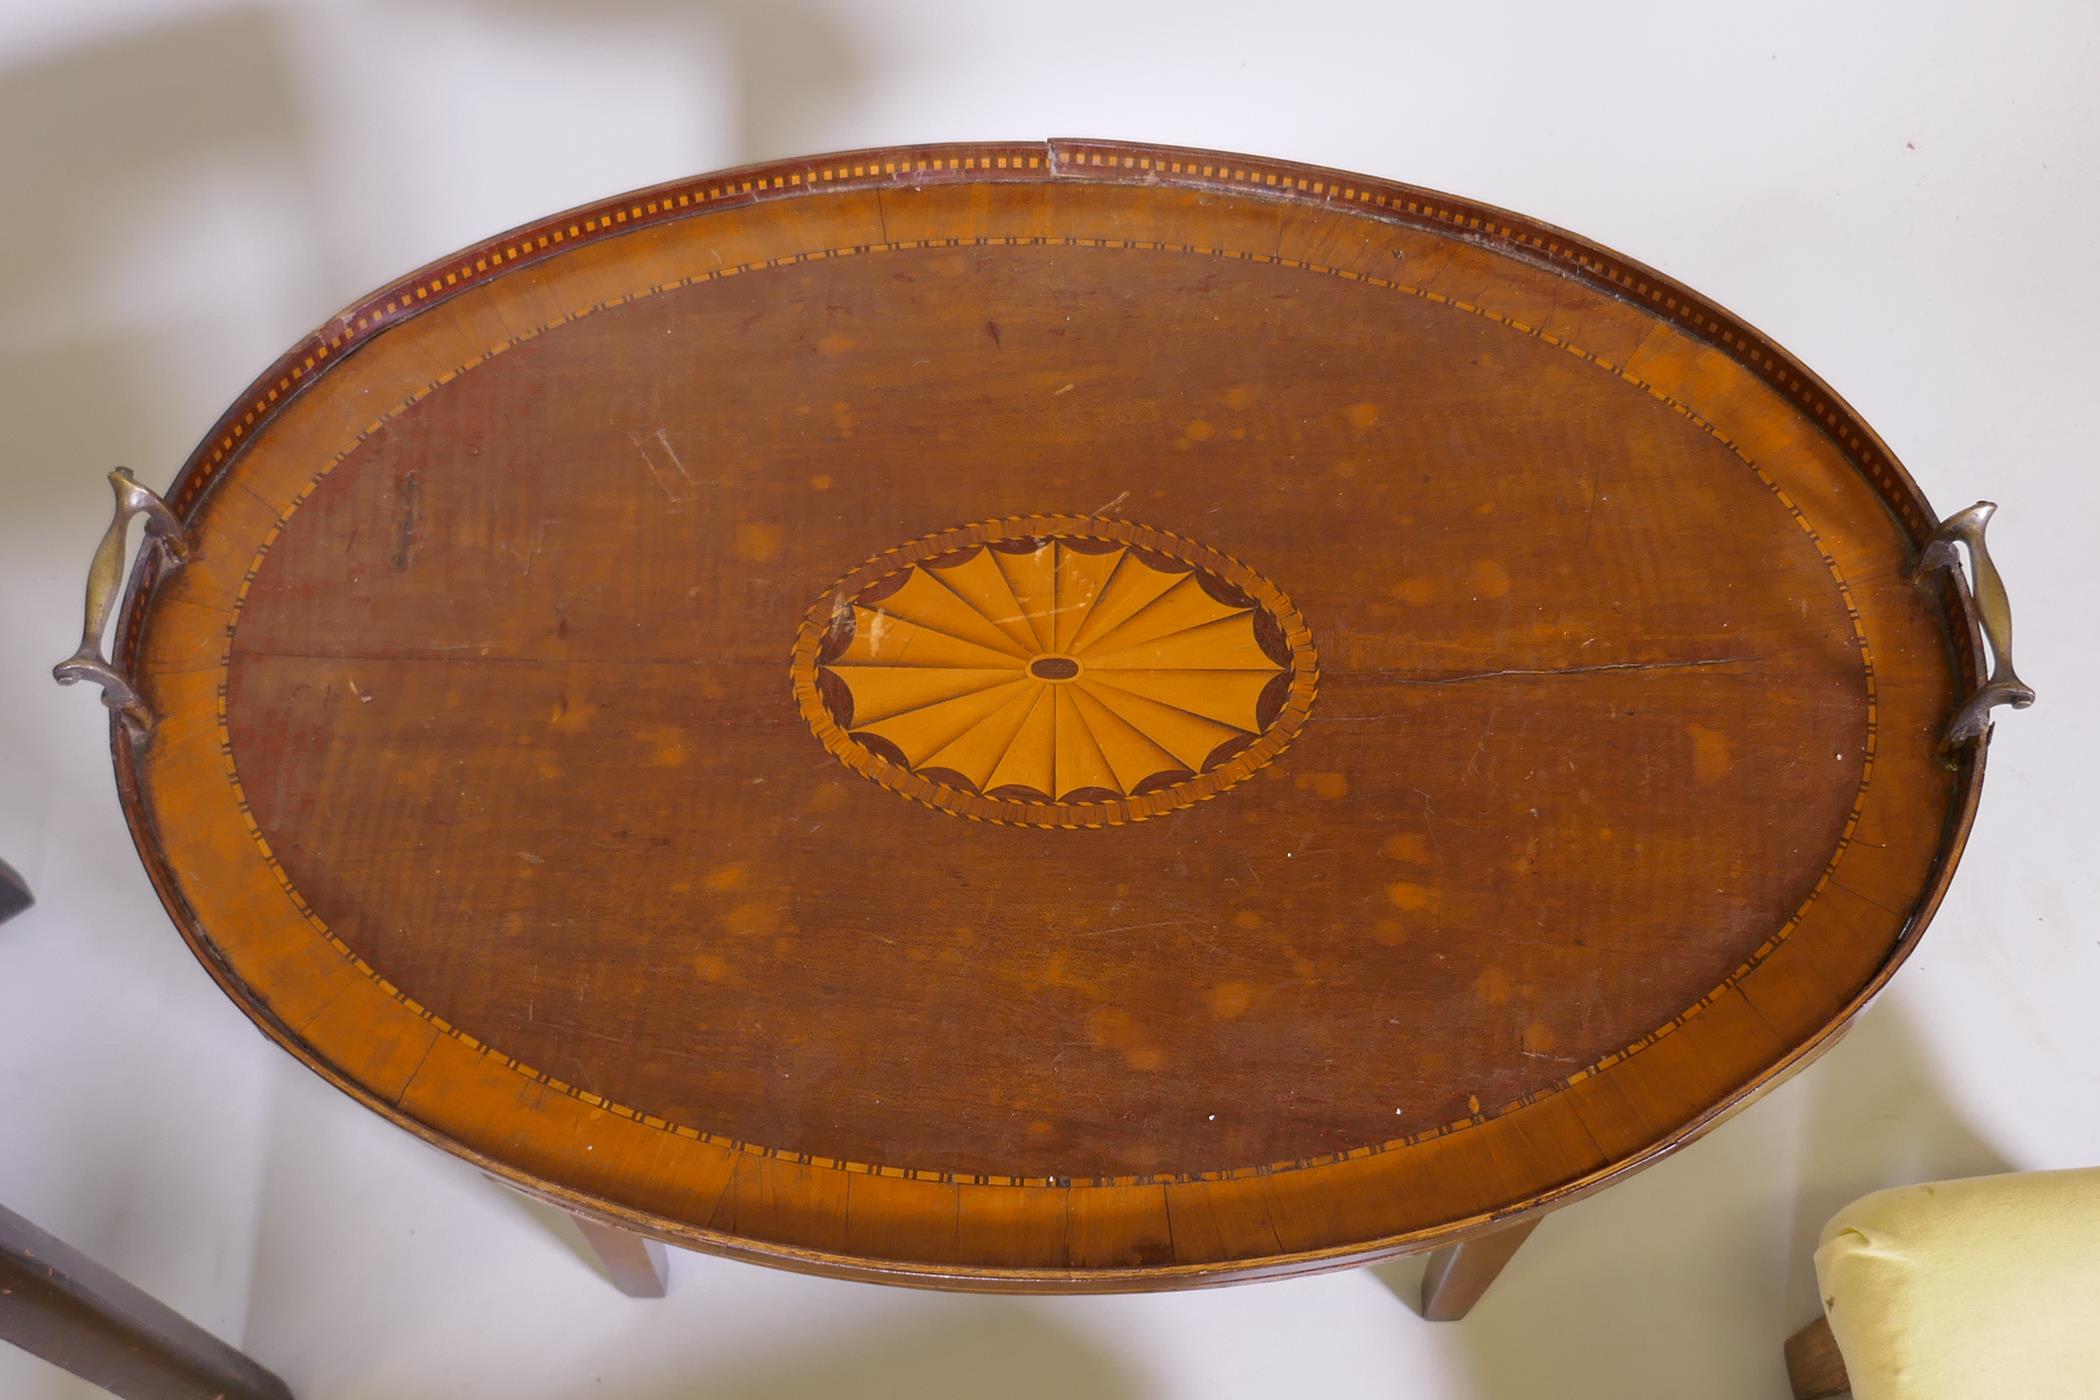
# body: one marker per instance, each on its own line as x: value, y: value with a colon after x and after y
x: 1058, y: 715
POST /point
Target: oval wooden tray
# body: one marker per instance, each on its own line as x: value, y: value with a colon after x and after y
x: 1047, y: 716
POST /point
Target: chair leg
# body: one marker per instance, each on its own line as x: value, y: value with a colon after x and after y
x: 58, y: 1304
x: 1459, y: 1273
x: 635, y: 1263
x: 1814, y: 1365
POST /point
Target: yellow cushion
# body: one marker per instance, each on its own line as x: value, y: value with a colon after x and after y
x: 1967, y: 1289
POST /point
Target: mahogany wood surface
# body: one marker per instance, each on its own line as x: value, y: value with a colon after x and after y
x: 1815, y: 1368
x: 1047, y: 716
x: 636, y: 1264
x: 1459, y: 1274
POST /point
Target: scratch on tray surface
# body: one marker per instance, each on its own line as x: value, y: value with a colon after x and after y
x: 675, y: 497
x: 1573, y: 670
x: 420, y: 1062
x: 1462, y: 677
x: 405, y: 529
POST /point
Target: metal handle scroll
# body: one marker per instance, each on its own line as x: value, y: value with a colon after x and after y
x: 1993, y: 611
x: 105, y: 584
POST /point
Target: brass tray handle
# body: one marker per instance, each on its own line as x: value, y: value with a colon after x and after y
x: 105, y: 583
x: 1993, y: 610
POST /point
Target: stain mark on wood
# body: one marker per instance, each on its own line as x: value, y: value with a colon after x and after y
x: 407, y: 523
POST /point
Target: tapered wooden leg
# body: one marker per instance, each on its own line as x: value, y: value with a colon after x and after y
x: 1814, y: 1365
x: 636, y: 1264
x: 57, y: 1303
x: 1459, y: 1273
x: 14, y: 893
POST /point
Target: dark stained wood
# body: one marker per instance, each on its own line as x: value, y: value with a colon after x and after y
x: 636, y: 1264
x: 14, y: 892
x: 1451, y: 714
x: 1814, y: 1366
x: 58, y: 1304
x: 1459, y: 1274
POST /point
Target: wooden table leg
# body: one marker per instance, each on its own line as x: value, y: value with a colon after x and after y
x: 1814, y: 1365
x: 57, y: 1303
x: 636, y: 1264
x: 14, y: 892
x: 1459, y: 1273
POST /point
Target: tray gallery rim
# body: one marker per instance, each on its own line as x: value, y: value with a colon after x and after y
x: 1093, y: 161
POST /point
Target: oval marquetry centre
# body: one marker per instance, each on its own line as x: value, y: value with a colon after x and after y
x: 1077, y: 678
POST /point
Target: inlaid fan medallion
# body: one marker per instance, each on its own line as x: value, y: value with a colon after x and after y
x: 1055, y: 671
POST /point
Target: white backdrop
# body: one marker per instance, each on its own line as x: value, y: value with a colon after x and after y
x: 1906, y: 195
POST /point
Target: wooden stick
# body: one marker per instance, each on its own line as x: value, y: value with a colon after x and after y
x: 1459, y: 1273
x: 57, y: 1303
x: 1814, y: 1365
x: 635, y: 1263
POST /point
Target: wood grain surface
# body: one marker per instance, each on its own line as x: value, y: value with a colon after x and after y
x: 1048, y: 716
